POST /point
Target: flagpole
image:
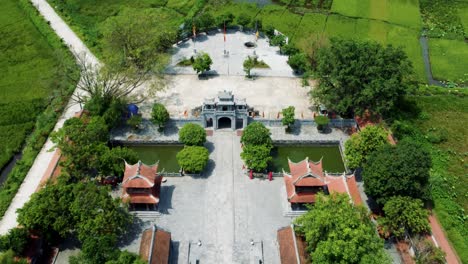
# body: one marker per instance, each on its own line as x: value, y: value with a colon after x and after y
x: 224, y: 35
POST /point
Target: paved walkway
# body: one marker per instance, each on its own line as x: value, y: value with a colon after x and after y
x: 35, y: 174
x: 439, y: 235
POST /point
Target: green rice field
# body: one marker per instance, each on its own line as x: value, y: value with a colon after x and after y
x: 449, y: 59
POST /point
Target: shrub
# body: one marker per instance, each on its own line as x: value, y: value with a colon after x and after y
x: 288, y: 116
x: 299, y: 62
x: 256, y: 134
x: 256, y: 157
x: 244, y: 20
x: 193, y: 159
x: 192, y: 135
x: 159, y: 115
x: 202, y: 63
x: 16, y: 240
x: 134, y: 121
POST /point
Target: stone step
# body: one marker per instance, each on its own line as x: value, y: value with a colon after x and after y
x: 146, y: 214
x: 294, y: 213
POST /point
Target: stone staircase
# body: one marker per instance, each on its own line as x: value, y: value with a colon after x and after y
x: 146, y: 215
x: 293, y: 214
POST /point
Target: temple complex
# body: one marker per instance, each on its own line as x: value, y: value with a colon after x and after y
x: 141, y: 184
x: 307, y: 178
x: 225, y: 111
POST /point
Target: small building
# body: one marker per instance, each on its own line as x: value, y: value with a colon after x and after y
x: 141, y: 184
x: 225, y: 111
x: 155, y: 246
x: 307, y: 178
x: 292, y: 247
x: 304, y: 181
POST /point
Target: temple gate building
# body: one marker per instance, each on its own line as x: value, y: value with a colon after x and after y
x: 225, y: 111
x: 141, y: 184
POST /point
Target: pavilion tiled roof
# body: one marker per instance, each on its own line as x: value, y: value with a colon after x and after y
x: 344, y: 184
x: 303, y: 174
x: 143, y: 198
x: 139, y: 175
x: 292, y: 247
x: 155, y: 246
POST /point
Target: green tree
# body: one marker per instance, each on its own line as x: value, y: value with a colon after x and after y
x: 256, y: 157
x: 405, y: 214
x: 288, y: 117
x: 244, y: 19
x: 193, y: 159
x: 256, y: 134
x: 299, y: 62
x: 249, y: 64
x: 111, y: 162
x: 126, y: 257
x: 16, y: 240
x: 321, y: 122
x: 134, y: 121
x: 204, y: 21
x: 338, y: 232
x: 202, y: 63
x: 359, y: 147
x: 159, y: 115
x: 8, y: 257
x: 225, y: 19
x: 358, y: 76
x: 192, y: 135
x: 278, y: 40
x: 138, y: 37
x: 397, y: 170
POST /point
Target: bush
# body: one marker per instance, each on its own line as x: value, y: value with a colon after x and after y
x: 202, y: 63
x: 192, y: 135
x: 244, y: 20
x: 159, y: 115
x: 288, y: 116
x: 193, y: 159
x: 256, y: 157
x: 15, y: 240
x: 256, y: 134
x: 134, y: 121
x: 299, y: 62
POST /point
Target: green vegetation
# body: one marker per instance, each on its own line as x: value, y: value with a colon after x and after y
x: 359, y: 76
x: 192, y: 135
x: 34, y: 88
x: 360, y: 146
x: 202, y: 63
x: 405, y: 214
x: 338, y: 232
x: 159, y: 115
x: 257, y: 145
x: 82, y: 209
x: 16, y: 240
x: 404, y: 13
x: 8, y: 257
x: 193, y: 159
x: 321, y: 122
x: 397, y: 170
x: 288, y: 117
x: 444, y: 112
x: 449, y: 60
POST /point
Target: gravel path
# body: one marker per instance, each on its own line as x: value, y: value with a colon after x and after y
x: 35, y: 174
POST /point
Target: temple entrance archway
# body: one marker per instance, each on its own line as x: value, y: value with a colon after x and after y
x: 239, y: 123
x: 224, y: 122
x: 209, y: 122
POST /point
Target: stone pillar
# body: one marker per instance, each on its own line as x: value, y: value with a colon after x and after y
x: 244, y: 122
x: 233, y: 123
x: 215, y: 122
x: 204, y: 121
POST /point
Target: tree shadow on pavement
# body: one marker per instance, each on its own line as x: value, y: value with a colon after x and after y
x: 165, y: 202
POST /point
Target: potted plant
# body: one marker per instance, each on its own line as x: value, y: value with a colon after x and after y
x: 322, y: 123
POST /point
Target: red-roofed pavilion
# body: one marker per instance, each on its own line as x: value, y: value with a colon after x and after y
x: 304, y: 181
x: 307, y: 178
x: 141, y: 184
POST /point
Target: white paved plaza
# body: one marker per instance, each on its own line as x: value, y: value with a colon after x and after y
x: 268, y: 95
x: 231, y: 64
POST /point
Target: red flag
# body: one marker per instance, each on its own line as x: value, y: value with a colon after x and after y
x: 224, y: 31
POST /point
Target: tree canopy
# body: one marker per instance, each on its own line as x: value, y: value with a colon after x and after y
x: 360, y: 146
x: 288, y: 116
x: 159, y: 115
x: 138, y: 38
x: 249, y: 64
x: 256, y: 157
x: 397, y: 170
x: 338, y: 232
x: 355, y: 76
x: 192, y: 135
x: 405, y: 214
x: 256, y: 134
x: 202, y: 63
x: 193, y: 159
x: 83, y: 209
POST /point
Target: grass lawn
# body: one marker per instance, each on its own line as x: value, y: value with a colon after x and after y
x: 29, y: 70
x: 463, y: 15
x: 449, y: 60
x: 447, y: 115
x: 400, y: 12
